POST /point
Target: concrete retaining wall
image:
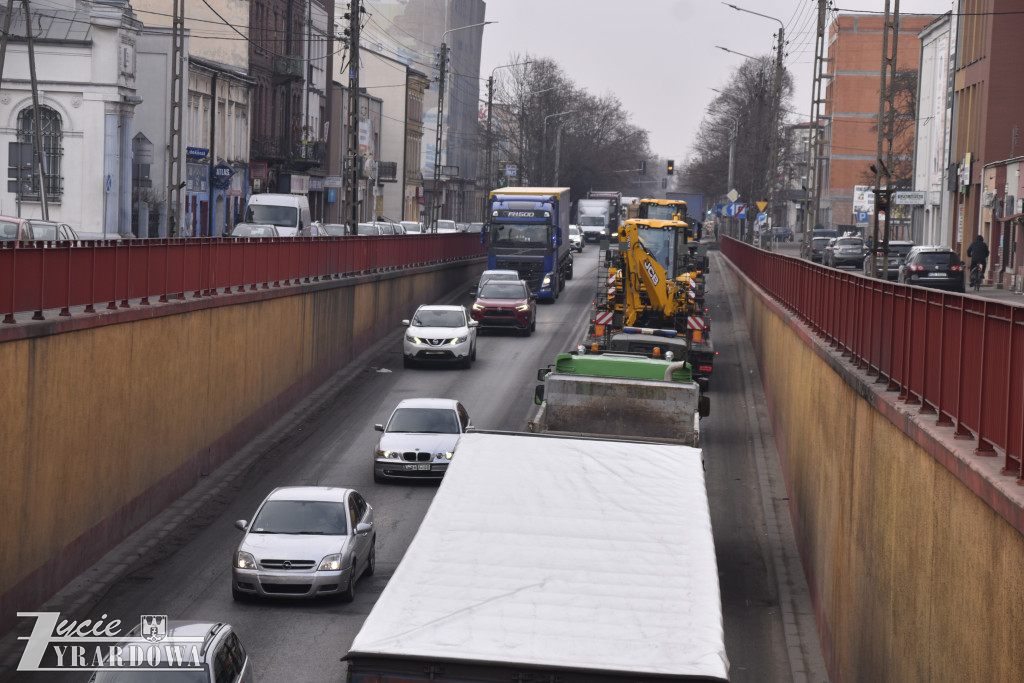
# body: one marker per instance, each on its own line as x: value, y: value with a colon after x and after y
x: 912, y: 545
x: 105, y: 420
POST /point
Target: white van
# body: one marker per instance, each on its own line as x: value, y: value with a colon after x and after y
x: 289, y: 213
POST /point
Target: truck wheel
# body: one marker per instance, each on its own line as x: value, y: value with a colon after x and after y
x: 568, y: 274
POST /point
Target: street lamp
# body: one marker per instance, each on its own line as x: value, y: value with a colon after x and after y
x: 776, y: 108
x: 435, y: 206
x: 735, y: 53
x: 490, y: 102
x: 544, y: 139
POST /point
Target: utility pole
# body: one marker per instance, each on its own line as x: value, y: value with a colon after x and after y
x: 435, y: 196
x: 174, y: 184
x: 354, y: 16
x: 6, y: 33
x: 773, y: 155
x: 814, y: 142
x: 36, y: 118
x: 490, y: 140
x: 558, y: 150
x: 886, y: 113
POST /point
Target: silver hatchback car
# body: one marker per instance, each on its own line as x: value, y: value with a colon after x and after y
x: 303, y: 542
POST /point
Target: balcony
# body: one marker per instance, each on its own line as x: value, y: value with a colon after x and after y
x: 387, y: 172
x: 306, y: 155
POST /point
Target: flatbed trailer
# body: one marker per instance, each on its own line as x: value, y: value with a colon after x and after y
x: 545, y: 558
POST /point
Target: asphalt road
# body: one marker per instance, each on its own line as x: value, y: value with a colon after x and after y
x: 185, y: 573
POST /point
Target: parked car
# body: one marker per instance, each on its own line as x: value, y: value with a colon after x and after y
x: 439, y: 334
x: 19, y: 230
x: 846, y: 251
x: 447, y: 226
x: 826, y: 253
x: 898, y: 251
x: 504, y: 304
x: 476, y: 228
x: 412, y: 227
x: 303, y: 542
x: 218, y: 649
x: 334, y: 229
x: 782, y: 234
x: 419, y: 439
x: 934, y: 267
x: 493, y: 275
x: 368, y: 229
x: 575, y: 238
x: 252, y: 230
x: 288, y: 212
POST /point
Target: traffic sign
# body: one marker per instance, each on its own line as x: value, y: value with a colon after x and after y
x: 735, y: 210
x: 862, y: 217
x: 908, y: 198
x: 761, y: 205
x: 733, y: 195
x: 761, y: 217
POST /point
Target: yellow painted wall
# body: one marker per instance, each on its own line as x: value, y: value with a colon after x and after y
x: 91, y: 419
x: 917, y: 578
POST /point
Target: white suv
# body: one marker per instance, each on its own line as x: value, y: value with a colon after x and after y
x: 439, y: 334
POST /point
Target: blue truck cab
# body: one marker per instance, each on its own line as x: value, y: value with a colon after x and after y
x: 528, y: 231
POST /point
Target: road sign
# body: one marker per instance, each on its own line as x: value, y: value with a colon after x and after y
x: 735, y: 210
x: 761, y: 205
x: 733, y: 195
x: 862, y: 217
x: 511, y: 170
x: 761, y: 217
x: 908, y: 198
x: 108, y: 183
x: 863, y: 197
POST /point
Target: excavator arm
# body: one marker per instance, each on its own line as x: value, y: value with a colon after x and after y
x: 642, y: 268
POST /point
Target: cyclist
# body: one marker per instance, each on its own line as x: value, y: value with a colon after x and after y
x: 978, y: 253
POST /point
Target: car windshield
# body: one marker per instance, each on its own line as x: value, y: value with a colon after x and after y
x: 487, y: 277
x: 519, y: 235
x: 446, y: 225
x: 8, y: 231
x: 424, y: 421
x: 573, y: 230
x: 850, y: 242
x: 43, y: 231
x: 164, y: 674
x: 269, y: 214
x: 367, y: 229
x: 592, y: 220
x: 253, y: 231
x: 820, y: 242
x: 316, y: 517
x: 502, y: 290
x: 930, y: 259
x: 659, y: 212
x: 900, y: 250
x: 334, y: 230
x: 439, y: 318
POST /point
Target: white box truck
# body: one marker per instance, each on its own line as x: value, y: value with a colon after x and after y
x: 546, y: 558
x: 593, y: 216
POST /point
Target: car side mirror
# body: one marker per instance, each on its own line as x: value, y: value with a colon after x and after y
x: 363, y: 528
x: 241, y: 524
x: 538, y: 394
x: 542, y: 374
x: 406, y: 323
x: 378, y: 428
x: 473, y: 323
x: 473, y: 292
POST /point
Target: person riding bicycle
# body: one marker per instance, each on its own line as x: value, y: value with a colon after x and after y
x: 978, y: 253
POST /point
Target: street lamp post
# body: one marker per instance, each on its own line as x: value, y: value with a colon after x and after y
x: 435, y: 205
x: 544, y: 140
x: 776, y: 109
x: 490, y: 102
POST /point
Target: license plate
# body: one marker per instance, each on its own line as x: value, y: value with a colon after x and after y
x: 420, y: 466
x: 936, y: 275
x: 434, y: 353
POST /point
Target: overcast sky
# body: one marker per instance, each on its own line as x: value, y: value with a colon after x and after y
x: 659, y: 56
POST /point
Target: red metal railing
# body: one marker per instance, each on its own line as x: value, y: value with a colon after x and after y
x: 38, y: 276
x: 958, y: 357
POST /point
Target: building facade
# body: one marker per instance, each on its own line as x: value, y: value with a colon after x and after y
x: 855, y: 54
x: 86, y: 61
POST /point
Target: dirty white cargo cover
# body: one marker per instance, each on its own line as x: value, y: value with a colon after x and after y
x: 560, y: 552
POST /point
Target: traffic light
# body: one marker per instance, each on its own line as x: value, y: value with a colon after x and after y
x: 671, y: 167
x: 882, y: 202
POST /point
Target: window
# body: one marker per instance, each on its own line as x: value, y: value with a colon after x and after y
x: 53, y: 150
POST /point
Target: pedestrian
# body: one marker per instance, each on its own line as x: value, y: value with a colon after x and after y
x: 978, y: 253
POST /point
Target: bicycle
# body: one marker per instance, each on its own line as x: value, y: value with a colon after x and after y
x: 976, y: 277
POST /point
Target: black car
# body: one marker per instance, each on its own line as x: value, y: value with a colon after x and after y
x: 934, y: 267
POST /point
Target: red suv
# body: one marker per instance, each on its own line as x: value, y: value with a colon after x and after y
x: 506, y: 304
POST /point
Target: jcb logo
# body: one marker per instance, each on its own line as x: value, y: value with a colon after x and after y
x: 650, y: 271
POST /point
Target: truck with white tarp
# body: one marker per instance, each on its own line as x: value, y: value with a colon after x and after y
x: 546, y: 558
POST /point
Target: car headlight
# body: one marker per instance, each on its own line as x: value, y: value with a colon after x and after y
x: 603, y: 231
x: 448, y: 455
x: 331, y: 563
x: 459, y: 340
x: 546, y: 282
x: 245, y: 561
x: 478, y: 307
x: 386, y: 454
x: 523, y: 307
x: 410, y: 338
